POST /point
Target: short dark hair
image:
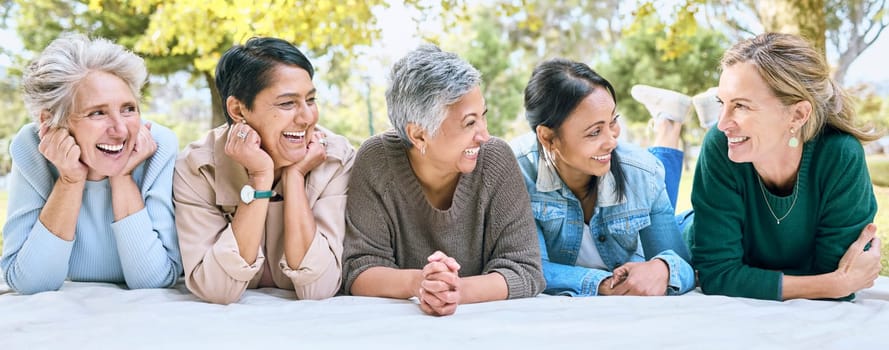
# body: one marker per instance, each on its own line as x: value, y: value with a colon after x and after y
x: 556, y: 87
x: 244, y: 70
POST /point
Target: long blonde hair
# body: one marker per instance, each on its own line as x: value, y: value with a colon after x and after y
x: 796, y: 72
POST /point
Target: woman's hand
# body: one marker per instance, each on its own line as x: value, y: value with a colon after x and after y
x: 143, y: 149
x: 858, y: 268
x: 648, y: 278
x: 316, y: 153
x: 60, y: 148
x: 244, y: 146
x: 439, y: 292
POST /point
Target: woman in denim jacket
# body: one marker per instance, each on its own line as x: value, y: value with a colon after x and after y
x: 604, y: 218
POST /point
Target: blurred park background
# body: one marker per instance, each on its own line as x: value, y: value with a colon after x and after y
x: 671, y: 44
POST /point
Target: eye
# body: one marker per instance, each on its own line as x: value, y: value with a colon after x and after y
x: 97, y: 114
x: 287, y: 104
x: 311, y: 100
x: 741, y: 106
x: 129, y: 110
x: 595, y: 132
x: 470, y: 122
x: 614, y: 120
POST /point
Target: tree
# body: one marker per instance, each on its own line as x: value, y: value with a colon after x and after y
x: 849, y: 26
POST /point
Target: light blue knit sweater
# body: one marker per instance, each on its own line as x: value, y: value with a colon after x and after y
x: 141, y: 250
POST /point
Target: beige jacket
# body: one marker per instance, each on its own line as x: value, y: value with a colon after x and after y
x: 206, y: 192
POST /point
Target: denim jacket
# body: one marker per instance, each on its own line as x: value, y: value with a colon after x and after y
x: 643, y: 213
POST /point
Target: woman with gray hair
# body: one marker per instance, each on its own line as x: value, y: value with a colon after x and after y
x: 437, y: 208
x: 90, y: 187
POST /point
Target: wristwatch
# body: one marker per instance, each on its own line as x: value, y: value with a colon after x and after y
x: 248, y: 194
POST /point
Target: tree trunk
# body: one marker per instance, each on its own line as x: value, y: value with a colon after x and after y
x: 802, y: 17
x: 218, y: 118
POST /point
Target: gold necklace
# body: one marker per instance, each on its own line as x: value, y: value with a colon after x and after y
x: 795, y: 195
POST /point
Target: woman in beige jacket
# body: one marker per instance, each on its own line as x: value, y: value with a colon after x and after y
x: 260, y: 202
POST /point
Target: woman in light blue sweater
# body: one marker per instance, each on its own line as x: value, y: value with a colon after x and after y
x: 90, y: 187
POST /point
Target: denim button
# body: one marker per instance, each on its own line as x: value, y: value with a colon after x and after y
x: 602, y: 238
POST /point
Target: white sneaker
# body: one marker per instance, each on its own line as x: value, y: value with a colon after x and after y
x: 662, y: 103
x: 707, y: 108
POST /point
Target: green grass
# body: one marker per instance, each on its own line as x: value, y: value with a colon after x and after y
x: 878, y: 166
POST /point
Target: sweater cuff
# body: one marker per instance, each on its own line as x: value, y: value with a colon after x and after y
x: 228, y: 257
x: 515, y: 285
x: 42, y: 262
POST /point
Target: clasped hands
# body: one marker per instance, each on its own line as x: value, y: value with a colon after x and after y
x: 440, y: 287
x: 648, y: 278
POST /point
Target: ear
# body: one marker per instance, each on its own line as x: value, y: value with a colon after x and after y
x: 802, y: 110
x: 545, y: 136
x: 417, y: 135
x: 235, y: 109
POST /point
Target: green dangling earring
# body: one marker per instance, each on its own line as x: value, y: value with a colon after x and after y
x: 793, y: 142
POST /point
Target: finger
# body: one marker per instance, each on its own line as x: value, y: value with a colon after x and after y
x: 448, y: 297
x: 426, y: 308
x: 430, y: 299
x: 433, y: 286
x: 866, y: 236
x: 437, y: 256
x: 452, y: 264
x: 148, y: 125
x: 447, y: 277
x: 44, y: 127
x: 434, y: 267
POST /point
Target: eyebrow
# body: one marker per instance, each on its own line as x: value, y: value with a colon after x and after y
x: 296, y: 94
x: 595, y: 124
x: 474, y: 114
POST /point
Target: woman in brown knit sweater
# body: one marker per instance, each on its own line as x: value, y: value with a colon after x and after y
x: 437, y: 208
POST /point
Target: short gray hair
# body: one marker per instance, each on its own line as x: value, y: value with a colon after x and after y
x: 50, y: 81
x: 423, y: 84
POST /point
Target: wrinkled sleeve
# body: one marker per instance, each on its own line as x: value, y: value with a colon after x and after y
x: 718, y: 252
x: 214, y: 268
x: 368, y: 234
x: 320, y: 272
x: 34, y: 259
x: 662, y: 240
x: 515, y: 254
x: 845, y: 181
x: 146, y: 240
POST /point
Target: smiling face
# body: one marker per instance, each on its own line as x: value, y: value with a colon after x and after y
x: 585, y: 140
x: 455, y: 147
x: 753, y: 119
x: 105, y: 123
x: 284, y: 114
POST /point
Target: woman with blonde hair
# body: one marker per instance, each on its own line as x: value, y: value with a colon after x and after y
x: 782, y: 197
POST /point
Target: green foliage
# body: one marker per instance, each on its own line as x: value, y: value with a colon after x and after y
x: 638, y: 59
x: 12, y: 108
x: 504, y: 82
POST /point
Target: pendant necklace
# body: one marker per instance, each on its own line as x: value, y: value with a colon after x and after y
x: 765, y: 198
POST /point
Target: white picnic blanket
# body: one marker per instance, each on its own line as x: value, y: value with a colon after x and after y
x: 106, y: 316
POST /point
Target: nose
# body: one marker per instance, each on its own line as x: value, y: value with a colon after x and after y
x: 482, y: 136
x: 118, y: 125
x: 725, y: 120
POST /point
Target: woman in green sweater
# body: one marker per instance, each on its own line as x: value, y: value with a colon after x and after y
x: 782, y: 196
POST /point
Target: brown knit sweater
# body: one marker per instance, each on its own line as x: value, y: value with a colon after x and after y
x: 488, y: 228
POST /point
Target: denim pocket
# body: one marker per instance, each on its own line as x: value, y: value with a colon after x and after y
x: 625, y: 230
x: 550, y: 215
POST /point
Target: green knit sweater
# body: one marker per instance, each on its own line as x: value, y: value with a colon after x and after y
x: 740, y: 249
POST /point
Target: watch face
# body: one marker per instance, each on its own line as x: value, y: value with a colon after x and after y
x: 247, y: 194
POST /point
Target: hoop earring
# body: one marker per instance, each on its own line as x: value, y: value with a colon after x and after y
x: 549, y: 159
x: 793, y: 142
x: 423, y: 150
